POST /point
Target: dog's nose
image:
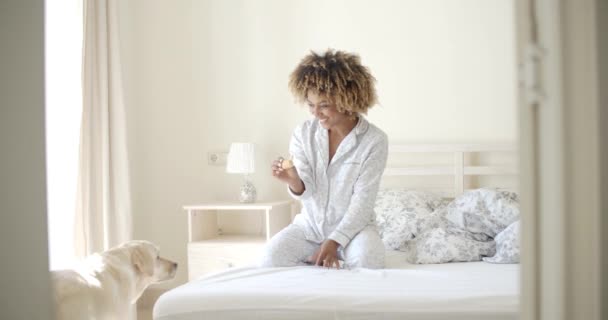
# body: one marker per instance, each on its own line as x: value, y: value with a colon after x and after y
x: 174, y: 265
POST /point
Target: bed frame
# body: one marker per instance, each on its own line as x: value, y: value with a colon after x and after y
x: 461, y: 166
x: 455, y: 165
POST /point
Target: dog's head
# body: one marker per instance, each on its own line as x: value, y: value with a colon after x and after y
x: 147, y: 263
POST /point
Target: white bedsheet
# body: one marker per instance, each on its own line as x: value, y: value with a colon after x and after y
x: 454, y: 291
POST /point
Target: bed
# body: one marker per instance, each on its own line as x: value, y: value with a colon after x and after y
x: 428, y: 288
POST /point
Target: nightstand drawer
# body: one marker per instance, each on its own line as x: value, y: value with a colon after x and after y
x: 205, y: 257
x: 206, y: 265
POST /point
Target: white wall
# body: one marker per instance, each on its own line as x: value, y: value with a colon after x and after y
x: 24, y: 280
x: 202, y: 74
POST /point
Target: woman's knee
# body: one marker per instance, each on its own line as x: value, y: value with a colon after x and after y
x: 366, y: 250
x: 366, y: 259
x: 275, y: 254
x: 284, y: 249
x: 373, y: 261
x: 273, y: 258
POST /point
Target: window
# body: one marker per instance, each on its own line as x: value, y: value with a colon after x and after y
x: 63, y: 65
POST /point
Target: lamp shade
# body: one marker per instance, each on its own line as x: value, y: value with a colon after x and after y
x: 241, y: 158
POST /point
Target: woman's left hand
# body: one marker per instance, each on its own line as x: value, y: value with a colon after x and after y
x: 327, y: 256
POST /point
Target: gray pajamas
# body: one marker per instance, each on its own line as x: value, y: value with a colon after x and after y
x: 339, y: 196
x: 290, y: 248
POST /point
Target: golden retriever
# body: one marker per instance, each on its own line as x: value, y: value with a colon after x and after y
x: 107, y: 284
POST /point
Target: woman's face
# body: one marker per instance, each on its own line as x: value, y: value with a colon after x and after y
x: 325, y: 110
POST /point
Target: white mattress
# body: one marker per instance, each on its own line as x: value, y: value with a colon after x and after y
x: 454, y: 291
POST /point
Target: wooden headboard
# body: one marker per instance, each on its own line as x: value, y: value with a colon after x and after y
x: 460, y: 166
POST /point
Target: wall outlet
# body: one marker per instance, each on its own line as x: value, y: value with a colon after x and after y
x: 217, y: 158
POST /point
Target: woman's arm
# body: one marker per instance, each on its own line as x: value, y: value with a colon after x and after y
x: 302, y: 165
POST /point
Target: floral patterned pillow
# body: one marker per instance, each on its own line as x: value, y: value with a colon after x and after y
x: 483, y: 212
x: 507, y: 245
x: 399, y: 213
x: 439, y: 246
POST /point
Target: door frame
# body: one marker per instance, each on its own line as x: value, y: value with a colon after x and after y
x: 560, y: 143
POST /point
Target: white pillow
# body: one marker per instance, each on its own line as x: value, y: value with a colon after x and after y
x: 440, y: 246
x: 507, y: 245
x: 484, y: 212
x: 398, y: 212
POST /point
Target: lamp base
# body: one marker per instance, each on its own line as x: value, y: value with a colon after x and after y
x: 248, y: 192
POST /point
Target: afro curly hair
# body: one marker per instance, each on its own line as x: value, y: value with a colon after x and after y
x: 338, y: 75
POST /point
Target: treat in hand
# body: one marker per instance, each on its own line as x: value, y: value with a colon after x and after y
x: 287, y: 163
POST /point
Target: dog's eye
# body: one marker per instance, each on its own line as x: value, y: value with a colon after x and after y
x: 157, y: 257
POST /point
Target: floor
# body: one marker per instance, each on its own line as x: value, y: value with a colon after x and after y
x: 144, y: 314
x: 146, y: 302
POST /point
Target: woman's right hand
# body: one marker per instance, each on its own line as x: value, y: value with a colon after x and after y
x: 289, y: 176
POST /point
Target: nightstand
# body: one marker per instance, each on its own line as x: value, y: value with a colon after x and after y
x: 209, y: 251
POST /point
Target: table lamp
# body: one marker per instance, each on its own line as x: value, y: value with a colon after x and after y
x: 241, y: 160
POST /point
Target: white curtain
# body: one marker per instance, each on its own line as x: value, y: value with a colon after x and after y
x: 103, y: 205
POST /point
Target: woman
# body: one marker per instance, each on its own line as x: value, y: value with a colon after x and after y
x: 339, y: 158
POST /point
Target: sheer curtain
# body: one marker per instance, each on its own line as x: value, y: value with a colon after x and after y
x: 103, y: 204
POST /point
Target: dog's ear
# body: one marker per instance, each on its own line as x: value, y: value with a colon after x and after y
x: 143, y: 260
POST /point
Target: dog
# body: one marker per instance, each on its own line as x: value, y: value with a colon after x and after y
x: 107, y: 284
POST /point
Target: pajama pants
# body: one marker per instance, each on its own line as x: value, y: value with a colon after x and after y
x: 290, y: 248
